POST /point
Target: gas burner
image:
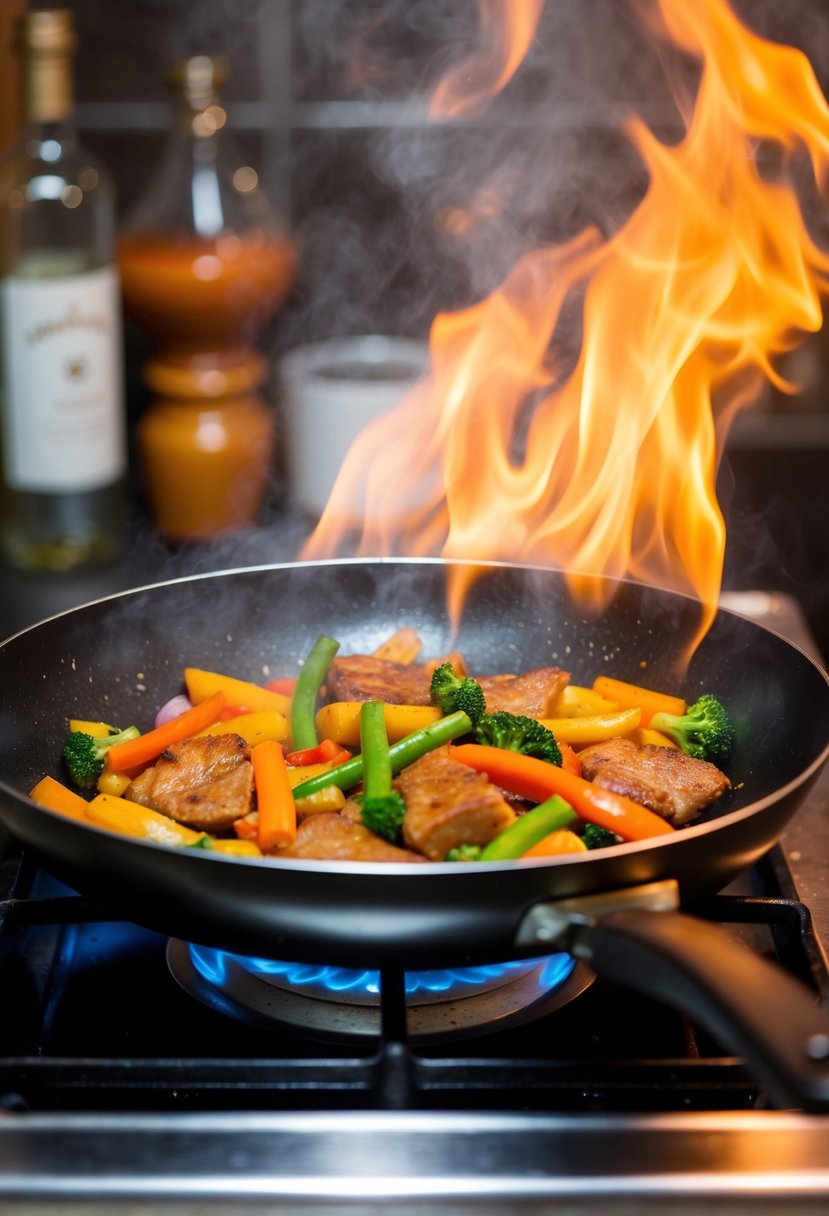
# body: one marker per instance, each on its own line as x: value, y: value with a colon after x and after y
x: 334, y: 1004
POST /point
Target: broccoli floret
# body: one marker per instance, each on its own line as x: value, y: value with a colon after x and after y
x: 384, y: 815
x: 84, y: 755
x: 517, y: 733
x: 464, y: 852
x: 452, y: 692
x: 596, y: 837
x: 704, y: 731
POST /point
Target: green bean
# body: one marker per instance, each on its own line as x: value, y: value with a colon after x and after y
x: 529, y: 828
x: 404, y: 751
x: 304, y: 700
x: 374, y: 743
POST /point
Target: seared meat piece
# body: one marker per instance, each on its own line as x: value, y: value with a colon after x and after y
x: 363, y: 677
x: 534, y: 693
x: 448, y: 804
x: 205, y: 782
x: 664, y: 779
x: 327, y: 837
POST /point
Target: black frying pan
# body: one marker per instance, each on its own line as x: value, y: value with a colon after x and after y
x: 120, y: 658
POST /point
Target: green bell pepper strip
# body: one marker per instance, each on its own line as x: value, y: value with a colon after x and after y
x: 529, y: 828
x: 404, y: 751
x: 304, y: 699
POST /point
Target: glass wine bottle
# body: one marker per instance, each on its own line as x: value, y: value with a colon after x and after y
x: 62, y: 423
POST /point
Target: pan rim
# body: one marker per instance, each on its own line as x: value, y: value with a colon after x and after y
x: 432, y: 869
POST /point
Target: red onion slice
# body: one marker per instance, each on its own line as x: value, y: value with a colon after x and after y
x: 172, y: 708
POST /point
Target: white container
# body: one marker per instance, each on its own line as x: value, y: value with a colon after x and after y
x: 331, y: 391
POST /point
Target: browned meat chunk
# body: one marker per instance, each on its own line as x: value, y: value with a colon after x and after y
x: 534, y: 693
x: 664, y: 779
x: 205, y: 782
x: 362, y: 677
x: 327, y: 837
x: 448, y: 804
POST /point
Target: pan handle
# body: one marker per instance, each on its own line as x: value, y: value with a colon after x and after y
x: 750, y: 1005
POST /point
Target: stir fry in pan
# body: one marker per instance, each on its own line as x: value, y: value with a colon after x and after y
x: 385, y: 757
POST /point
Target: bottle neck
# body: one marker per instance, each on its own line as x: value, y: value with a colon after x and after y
x: 47, y: 89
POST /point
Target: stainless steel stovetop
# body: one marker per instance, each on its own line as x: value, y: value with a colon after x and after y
x: 201, y: 1118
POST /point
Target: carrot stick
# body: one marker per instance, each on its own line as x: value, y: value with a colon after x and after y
x: 537, y: 779
x: 147, y: 747
x: 274, y: 796
x: 633, y: 696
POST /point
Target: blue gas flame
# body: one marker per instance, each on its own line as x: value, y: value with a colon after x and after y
x: 213, y: 965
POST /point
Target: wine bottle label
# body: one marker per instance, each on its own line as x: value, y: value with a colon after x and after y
x: 63, y: 416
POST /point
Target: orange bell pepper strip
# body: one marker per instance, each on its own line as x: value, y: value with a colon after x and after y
x: 556, y: 843
x: 148, y: 747
x: 276, y: 823
x: 57, y: 797
x: 633, y: 696
x: 538, y: 780
x: 569, y: 758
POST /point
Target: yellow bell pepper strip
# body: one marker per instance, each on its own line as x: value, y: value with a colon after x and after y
x: 404, y: 752
x: 331, y: 799
x: 236, y: 848
x: 575, y: 701
x: 324, y: 752
x: 632, y: 696
x: 340, y: 720
x: 131, y: 819
x: 647, y: 735
x: 549, y: 816
x: 536, y: 779
x: 113, y: 783
x: 556, y: 844
x: 309, y: 682
x: 98, y: 730
x: 582, y: 731
x: 55, y: 796
x: 276, y: 822
x: 253, y: 728
x: 135, y: 752
x: 252, y: 697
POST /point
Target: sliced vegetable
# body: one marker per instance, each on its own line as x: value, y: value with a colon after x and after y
x: 282, y: 684
x: 634, y: 696
x: 253, y: 728
x: 323, y: 752
x: 304, y: 772
x: 98, y: 730
x: 148, y: 747
x: 203, y: 684
x: 549, y: 816
x: 556, y: 844
x: 404, y: 752
x: 83, y: 755
x: 535, y: 779
x: 402, y: 647
x: 276, y: 825
x: 569, y: 758
x: 340, y: 720
x: 331, y: 799
x: 113, y: 783
x: 309, y: 682
x: 646, y: 735
x: 178, y: 704
x: 236, y: 848
x: 131, y: 819
x: 595, y: 729
x: 58, y: 797
x: 575, y: 701
x: 382, y: 808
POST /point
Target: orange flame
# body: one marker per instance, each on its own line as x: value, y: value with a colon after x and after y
x: 609, y: 468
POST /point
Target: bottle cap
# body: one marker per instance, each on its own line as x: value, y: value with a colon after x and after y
x: 198, y: 78
x: 46, y: 41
